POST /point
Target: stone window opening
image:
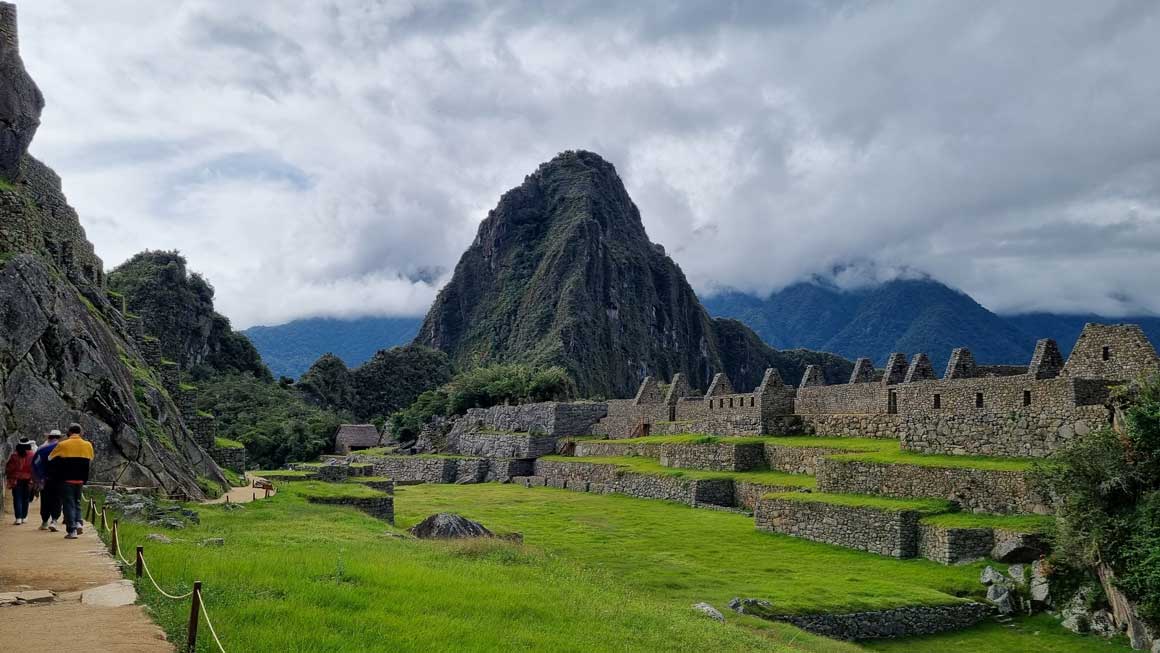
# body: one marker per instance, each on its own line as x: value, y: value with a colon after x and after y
x: 1026, y: 397
x: 938, y: 401
x: 730, y: 402
x: 892, y: 403
x: 1106, y: 353
x: 751, y: 402
x: 978, y: 400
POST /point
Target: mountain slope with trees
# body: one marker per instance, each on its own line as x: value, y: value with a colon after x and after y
x: 562, y: 273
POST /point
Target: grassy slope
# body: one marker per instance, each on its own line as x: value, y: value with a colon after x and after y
x: 1038, y: 634
x: 1025, y: 523
x: 597, y: 573
x: 650, y: 466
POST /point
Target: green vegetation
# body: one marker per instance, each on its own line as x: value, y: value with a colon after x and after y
x: 390, y: 381
x: 654, y: 468
x: 1022, y: 523
x: 925, y: 506
x: 482, y: 387
x: 287, y: 474
x: 692, y: 438
x: 1107, y: 489
x: 275, y: 423
x: 235, y: 479
x: 377, y: 451
x: 898, y: 457
x: 1037, y: 634
x: 226, y: 443
x: 319, y: 489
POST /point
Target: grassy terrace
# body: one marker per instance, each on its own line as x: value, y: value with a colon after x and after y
x: 690, y: 438
x: 898, y: 457
x: 324, y: 490
x: 1023, y: 523
x: 654, y: 468
x: 924, y: 506
x: 595, y: 573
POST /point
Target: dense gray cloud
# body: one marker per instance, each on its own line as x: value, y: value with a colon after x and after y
x: 334, y: 158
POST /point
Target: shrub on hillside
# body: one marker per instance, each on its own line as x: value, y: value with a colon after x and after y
x: 1106, y: 486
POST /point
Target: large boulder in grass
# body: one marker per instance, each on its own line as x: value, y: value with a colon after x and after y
x: 448, y: 525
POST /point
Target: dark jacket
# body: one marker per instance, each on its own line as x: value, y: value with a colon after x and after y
x: 40, y: 462
x: 69, y: 461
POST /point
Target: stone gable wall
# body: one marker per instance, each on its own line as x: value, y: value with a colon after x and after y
x: 884, y: 532
x: 1130, y: 355
x: 976, y: 490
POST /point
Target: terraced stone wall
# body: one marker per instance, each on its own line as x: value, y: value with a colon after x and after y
x: 952, y: 546
x: 412, y: 468
x: 606, y: 448
x: 908, y: 621
x: 888, y: 533
x: 795, y: 460
x: 232, y: 458
x: 746, y: 494
x: 977, y: 490
x: 378, y: 507
x: 722, y: 457
x: 609, y: 479
x: 505, y: 445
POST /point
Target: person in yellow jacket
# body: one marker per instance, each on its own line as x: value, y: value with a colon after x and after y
x: 69, y: 464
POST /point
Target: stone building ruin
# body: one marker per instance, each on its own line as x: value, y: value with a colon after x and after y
x: 972, y: 409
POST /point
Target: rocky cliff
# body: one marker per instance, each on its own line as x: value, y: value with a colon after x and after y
x: 66, y: 353
x: 176, y: 307
x: 562, y: 273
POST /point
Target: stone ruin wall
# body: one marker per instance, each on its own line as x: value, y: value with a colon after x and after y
x: 952, y: 546
x: 888, y: 533
x: 976, y: 490
x: 1119, y: 352
x: 907, y: 621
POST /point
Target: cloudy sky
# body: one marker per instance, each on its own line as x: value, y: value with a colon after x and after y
x: 334, y: 157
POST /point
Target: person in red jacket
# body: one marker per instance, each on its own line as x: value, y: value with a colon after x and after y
x: 69, y: 465
x: 18, y: 469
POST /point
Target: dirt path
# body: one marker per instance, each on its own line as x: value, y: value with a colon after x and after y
x: 243, y: 494
x: 32, y: 559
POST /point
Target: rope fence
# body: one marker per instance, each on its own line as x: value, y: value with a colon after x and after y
x: 197, y: 609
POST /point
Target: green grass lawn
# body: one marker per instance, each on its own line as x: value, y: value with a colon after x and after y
x: 925, y: 506
x: 1024, y: 523
x: 595, y: 573
x: 1037, y: 634
x: 652, y: 467
x: 843, y: 444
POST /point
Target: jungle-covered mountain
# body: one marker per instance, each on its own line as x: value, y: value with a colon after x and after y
x: 907, y: 315
x: 290, y: 349
x: 176, y: 307
x: 562, y: 273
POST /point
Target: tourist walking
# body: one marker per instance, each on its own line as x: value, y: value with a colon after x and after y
x: 69, y: 464
x: 49, y: 487
x: 18, y: 469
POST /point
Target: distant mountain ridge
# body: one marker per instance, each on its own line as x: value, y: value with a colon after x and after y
x: 290, y: 349
x: 907, y: 315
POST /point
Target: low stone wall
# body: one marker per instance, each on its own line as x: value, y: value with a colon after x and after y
x: 976, y: 490
x: 952, y: 546
x: 747, y: 494
x: 882, y: 426
x: 796, y: 460
x: 412, y: 468
x: 381, y: 485
x: 232, y: 458
x: 889, y: 533
x: 378, y: 507
x: 609, y: 479
x: 908, y: 621
x: 605, y: 448
x: 505, y: 445
x: 721, y: 457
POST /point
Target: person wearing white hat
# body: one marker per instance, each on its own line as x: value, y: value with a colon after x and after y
x: 49, y: 486
x: 18, y: 469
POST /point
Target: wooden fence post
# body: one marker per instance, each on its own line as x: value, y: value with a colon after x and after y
x: 140, y: 560
x: 113, y: 538
x: 194, y: 610
x: 104, y: 521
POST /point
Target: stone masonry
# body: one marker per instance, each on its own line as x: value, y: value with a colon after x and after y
x: 885, y: 532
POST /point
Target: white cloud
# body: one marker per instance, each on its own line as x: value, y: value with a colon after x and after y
x: 334, y: 158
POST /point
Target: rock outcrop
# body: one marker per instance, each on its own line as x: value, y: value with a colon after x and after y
x: 448, y: 525
x: 66, y: 353
x: 562, y: 273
